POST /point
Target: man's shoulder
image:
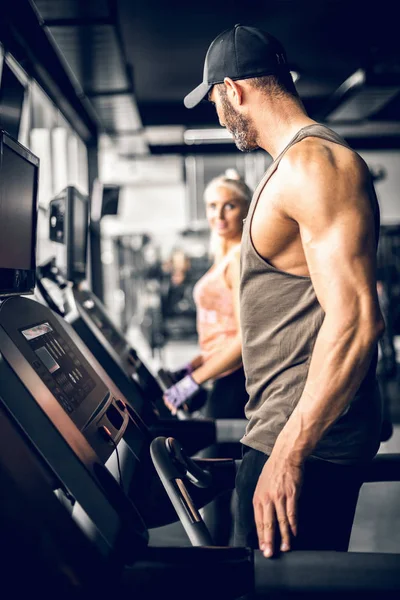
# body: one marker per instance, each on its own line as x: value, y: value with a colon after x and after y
x: 311, y: 174
x: 318, y: 159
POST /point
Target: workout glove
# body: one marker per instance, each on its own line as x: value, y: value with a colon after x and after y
x: 178, y: 393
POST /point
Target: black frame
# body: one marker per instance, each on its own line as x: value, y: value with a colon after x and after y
x: 14, y: 282
x: 68, y: 195
x: 17, y: 91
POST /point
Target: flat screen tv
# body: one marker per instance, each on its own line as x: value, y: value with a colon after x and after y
x: 19, y: 174
x: 69, y: 215
x: 12, y: 94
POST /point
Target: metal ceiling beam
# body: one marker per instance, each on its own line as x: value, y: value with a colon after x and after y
x: 81, y: 41
x: 23, y: 36
x: 121, y: 92
x: 361, y: 96
x: 77, y: 22
x: 356, y: 142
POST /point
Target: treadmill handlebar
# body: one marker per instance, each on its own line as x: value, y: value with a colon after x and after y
x: 173, y: 468
x: 168, y: 455
x: 165, y: 381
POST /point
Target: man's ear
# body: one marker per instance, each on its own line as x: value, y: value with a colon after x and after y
x: 234, y: 91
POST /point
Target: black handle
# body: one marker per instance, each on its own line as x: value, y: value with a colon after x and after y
x: 194, y: 473
x: 165, y: 381
x: 171, y: 468
x: 48, y: 299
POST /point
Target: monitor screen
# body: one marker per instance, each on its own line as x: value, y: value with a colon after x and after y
x: 18, y: 215
x: 11, y: 100
x: 80, y: 233
x: 69, y: 227
x: 110, y: 200
x: 104, y: 201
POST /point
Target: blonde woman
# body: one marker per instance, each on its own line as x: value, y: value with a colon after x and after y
x: 216, y: 295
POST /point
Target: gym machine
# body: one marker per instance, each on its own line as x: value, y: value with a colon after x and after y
x: 78, y: 305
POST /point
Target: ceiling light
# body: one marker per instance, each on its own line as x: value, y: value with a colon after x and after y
x: 214, y: 135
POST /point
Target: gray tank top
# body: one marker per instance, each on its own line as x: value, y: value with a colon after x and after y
x: 280, y: 320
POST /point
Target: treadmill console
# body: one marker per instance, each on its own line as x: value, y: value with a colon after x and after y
x: 58, y: 366
x: 30, y: 332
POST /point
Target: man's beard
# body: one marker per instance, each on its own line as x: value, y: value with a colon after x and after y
x: 241, y: 129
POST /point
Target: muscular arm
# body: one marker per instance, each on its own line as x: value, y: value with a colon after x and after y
x: 336, y: 225
x: 329, y: 202
x: 230, y: 356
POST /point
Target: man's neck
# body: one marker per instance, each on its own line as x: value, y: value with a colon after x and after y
x: 277, y: 124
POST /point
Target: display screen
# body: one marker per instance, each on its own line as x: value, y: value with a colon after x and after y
x: 69, y: 227
x: 46, y: 358
x: 19, y: 170
x: 17, y: 190
x: 110, y: 200
x: 58, y: 366
x: 37, y: 331
x: 11, y: 100
x: 79, y: 233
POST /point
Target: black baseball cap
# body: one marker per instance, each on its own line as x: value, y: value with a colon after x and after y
x: 239, y: 53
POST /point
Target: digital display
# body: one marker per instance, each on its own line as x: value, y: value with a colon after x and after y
x: 46, y: 358
x: 17, y: 183
x: 57, y: 364
x: 37, y: 331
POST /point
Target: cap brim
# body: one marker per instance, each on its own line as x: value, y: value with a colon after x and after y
x: 197, y: 95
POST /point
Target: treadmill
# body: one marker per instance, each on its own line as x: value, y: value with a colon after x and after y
x: 74, y: 421
x: 298, y: 574
x: 51, y: 382
x: 42, y: 547
x: 61, y: 283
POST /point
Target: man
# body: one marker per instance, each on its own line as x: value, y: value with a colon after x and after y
x: 310, y: 317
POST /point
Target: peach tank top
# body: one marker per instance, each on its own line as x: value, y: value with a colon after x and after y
x: 216, y: 322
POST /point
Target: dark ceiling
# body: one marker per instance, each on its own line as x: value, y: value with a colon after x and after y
x: 326, y: 40
x: 130, y: 56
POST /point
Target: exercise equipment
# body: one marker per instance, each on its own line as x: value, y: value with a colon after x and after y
x: 89, y: 319
x: 314, y: 574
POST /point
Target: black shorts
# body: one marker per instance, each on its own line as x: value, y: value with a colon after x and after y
x: 228, y: 397
x: 226, y: 400
x: 326, y: 505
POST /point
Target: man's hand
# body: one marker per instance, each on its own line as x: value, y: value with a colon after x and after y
x: 275, y: 503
